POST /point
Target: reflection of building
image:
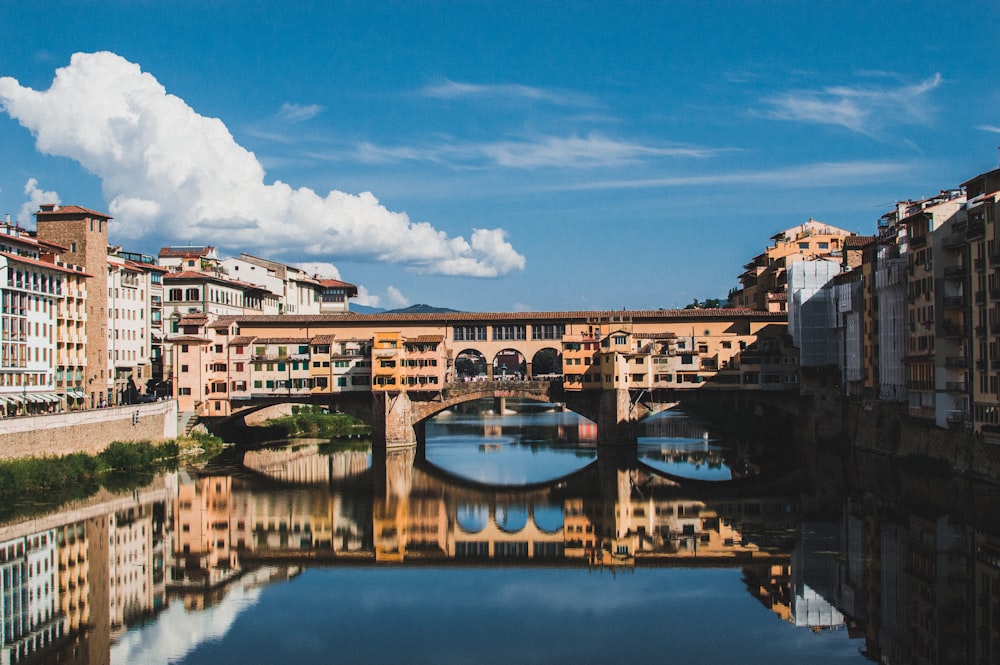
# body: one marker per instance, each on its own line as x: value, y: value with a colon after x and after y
x: 204, y: 555
x: 29, y: 596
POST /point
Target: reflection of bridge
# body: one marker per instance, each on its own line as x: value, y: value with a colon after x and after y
x: 396, y: 417
x: 612, y: 510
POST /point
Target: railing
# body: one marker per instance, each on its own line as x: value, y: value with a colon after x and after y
x: 954, y: 271
x: 956, y: 387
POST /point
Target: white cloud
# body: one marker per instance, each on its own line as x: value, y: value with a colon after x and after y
x: 151, y: 149
x: 366, y: 298
x: 863, y: 109
x: 989, y: 128
x: 459, y: 90
x: 591, y: 151
x: 821, y: 174
x: 322, y: 268
x: 36, y: 197
x: 298, y: 112
x: 395, y: 298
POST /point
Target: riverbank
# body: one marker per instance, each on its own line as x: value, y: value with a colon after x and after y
x: 28, y: 484
x: 87, y: 431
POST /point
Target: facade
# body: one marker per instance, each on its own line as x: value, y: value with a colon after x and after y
x: 763, y: 285
x: 225, y: 360
x: 84, y: 235
x: 36, y: 292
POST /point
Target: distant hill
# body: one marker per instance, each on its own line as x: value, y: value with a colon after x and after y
x: 422, y: 309
x: 412, y: 309
x: 364, y: 309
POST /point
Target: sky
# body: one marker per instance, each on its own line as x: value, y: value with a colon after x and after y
x: 494, y: 156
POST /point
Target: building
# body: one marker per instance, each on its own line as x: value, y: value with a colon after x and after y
x: 36, y: 292
x: 84, y: 235
x: 763, y: 284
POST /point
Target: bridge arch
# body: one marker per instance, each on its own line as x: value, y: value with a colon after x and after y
x: 546, y: 362
x: 470, y: 364
x: 509, y: 364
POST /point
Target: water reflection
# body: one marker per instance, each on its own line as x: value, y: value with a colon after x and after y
x: 901, y: 565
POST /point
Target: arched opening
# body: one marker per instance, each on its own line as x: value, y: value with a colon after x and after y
x: 472, y: 518
x: 470, y: 365
x: 511, y: 518
x: 546, y: 364
x: 509, y: 365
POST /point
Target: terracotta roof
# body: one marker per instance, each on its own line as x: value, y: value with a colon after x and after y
x: 322, y: 339
x: 336, y: 283
x: 662, y: 335
x: 597, y: 317
x: 72, y: 210
x: 425, y: 339
x: 194, y: 318
x: 279, y: 340
x: 858, y: 242
x: 223, y: 322
x: 188, y: 338
x: 183, y: 252
x: 40, y: 263
x: 242, y: 340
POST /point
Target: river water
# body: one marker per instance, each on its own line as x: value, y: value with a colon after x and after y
x: 512, y: 538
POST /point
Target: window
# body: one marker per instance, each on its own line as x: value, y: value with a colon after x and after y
x: 469, y: 333
x: 803, y: 245
x: 509, y: 332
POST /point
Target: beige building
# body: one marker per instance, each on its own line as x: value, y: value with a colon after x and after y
x: 256, y: 356
x: 763, y: 285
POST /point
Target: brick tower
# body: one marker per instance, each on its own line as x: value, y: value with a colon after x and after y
x: 85, y: 235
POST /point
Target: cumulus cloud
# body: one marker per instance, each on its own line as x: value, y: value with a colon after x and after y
x: 863, y: 109
x: 322, y: 268
x: 366, y: 297
x: 395, y: 298
x: 167, y: 169
x: 36, y: 197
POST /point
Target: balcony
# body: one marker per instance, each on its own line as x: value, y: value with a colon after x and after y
x: 954, y: 241
x: 977, y: 229
x: 953, y: 330
x: 956, y: 362
x: 957, y: 416
x: 980, y: 331
x: 956, y: 387
x: 979, y: 265
x: 954, y: 272
x: 918, y: 241
x: 958, y: 302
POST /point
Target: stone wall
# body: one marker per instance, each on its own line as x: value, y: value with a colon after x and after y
x: 888, y: 430
x: 87, y: 431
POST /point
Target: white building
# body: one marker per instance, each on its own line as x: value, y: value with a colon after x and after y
x: 812, y: 315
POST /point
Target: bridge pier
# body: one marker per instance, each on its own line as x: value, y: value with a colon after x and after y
x: 392, y: 421
x: 616, y: 418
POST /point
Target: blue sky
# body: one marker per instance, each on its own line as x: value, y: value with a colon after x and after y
x: 494, y: 156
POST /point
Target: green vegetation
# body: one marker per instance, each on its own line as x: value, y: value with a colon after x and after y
x: 311, y: 421
x: 78, y: 475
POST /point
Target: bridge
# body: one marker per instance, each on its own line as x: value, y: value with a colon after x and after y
x: 396, y: 417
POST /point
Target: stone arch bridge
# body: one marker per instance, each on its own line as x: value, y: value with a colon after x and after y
x: 396, y: 416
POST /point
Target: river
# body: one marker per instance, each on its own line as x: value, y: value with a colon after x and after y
x: 513, y: 538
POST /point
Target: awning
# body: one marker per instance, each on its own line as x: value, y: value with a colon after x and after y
x: 50, y: 397
x: 35, y: 397
x: 14, y: 399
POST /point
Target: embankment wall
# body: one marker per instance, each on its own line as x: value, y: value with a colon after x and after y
x: 87, y: 431
x: 888, y: 430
